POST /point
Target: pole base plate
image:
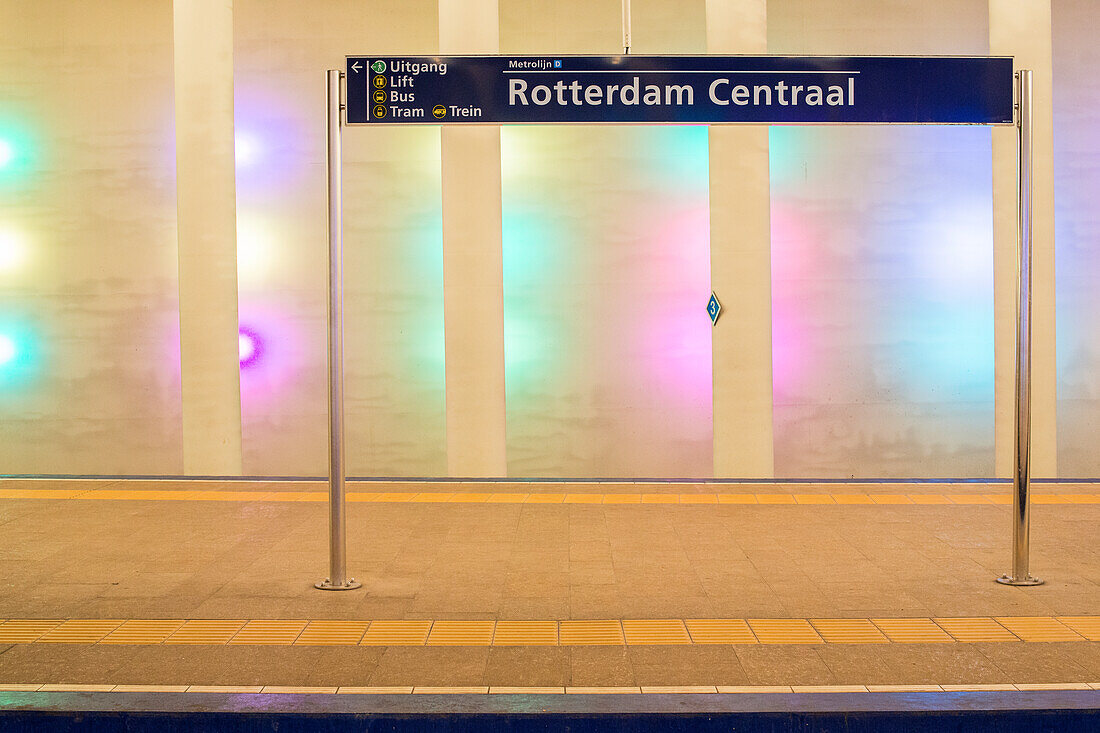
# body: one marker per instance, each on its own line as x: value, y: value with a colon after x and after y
x: 349, y: 584
x: 1029, y: 580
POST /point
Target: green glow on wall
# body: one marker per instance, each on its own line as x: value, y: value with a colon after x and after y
x: 16, y: 151
x: 18, y: 355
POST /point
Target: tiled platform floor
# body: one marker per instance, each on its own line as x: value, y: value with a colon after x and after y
x: 243, y: 557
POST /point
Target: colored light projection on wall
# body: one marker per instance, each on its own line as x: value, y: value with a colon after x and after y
x: 17, y: 151
x: 606, y: 279
x: 394, y: 361
x: 393, y: 314
x: 1077, y: 233
x: 17, y: 347
x: 14, y: 250
x: 882, y: 292
x: 18, y: 355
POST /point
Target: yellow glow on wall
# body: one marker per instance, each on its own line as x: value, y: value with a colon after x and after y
x: 13, y: 250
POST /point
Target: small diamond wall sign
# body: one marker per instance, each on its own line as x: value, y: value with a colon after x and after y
x: 714, y: 309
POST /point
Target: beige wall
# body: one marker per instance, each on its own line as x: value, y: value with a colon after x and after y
x: 87, y: 96
x: 97, y: 291
x: 393, y: 276
x: 882, y: 239
x: 1076, y: 71
x: 601, y: 379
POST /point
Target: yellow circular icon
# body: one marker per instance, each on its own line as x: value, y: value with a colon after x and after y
x: 439, y: 111
x: 380, y: 81
x: 379, y: 96
x: 379, y: 111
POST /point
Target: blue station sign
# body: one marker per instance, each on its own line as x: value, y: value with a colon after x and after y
x: 386, y: 90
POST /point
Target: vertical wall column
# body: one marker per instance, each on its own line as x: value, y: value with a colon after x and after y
x: 473, y: 280
x: 740, y: 264
x: 207, y: 231
x: 1021, y: 28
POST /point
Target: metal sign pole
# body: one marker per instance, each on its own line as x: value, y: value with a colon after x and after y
x: 626, y: 26
x: 337, y: 548
x: 1021, y: 477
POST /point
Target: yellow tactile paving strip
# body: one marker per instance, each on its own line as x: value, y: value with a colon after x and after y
x: 590, y: 633
x: 79, y: 631
x: 655, y: 631
x: 140, y: 631
x: 204, y: 631
x: 582, y: 632
x: 784, y: 631
x: 720, y: 631
x: 976, y: 629
x: 913, y: 630
x: 848, y: 631
x: 440, y: 497
x: 269, y: 632
x: 461, y: 633
x: 1039, y: 628
x: 1086, y: 626
x: 332, y: 633
x: 396, y: 633
x: 526, y: 633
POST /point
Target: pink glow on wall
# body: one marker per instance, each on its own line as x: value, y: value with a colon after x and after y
x: 676, y: 335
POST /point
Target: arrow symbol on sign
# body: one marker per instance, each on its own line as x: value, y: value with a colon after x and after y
x: 355, y: 67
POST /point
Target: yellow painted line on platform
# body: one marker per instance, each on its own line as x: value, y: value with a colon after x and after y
x: 890, y: 499
x: 968, y: 499
x: 852, y: 499
x: 392, y: 496
x: 774, y: 499
x: 698, y: 498
x: 445, y: 497
x: 660, y: 498
x: 545, y: 499
x: 737, y: 498
x: 814, y: 499
x: 1049, y: 499
x: 975, y: 629
x: 622, y: 499
x: 40, y: 493
x: 428, y: 497
x: 507, y: 498
x: 928, y: 499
